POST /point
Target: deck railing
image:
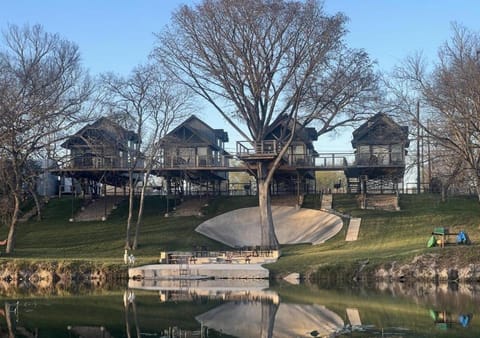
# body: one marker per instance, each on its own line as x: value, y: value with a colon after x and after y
x: 334, y: 160
x: 247, y: 148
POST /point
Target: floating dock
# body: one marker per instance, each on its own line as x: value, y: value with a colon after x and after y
x: 198, y: 271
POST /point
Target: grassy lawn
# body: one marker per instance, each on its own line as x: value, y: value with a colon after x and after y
x: 389, y: 236
x: 55, y: 238
x: 384, y: 236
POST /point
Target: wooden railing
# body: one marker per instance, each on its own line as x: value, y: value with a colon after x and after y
x: 247, y: 148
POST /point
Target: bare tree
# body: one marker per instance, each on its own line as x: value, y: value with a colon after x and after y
x: 42, y: 89
x: 257, y: 61
x: 450, y: 96
x: 150, y: 104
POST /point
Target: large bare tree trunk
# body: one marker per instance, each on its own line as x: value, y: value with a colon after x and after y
x: 8, y: 319
x: 13, y: 223
x: 267, y: 228
x: 130, y: 209
x: 140, y: 212
x: 477, y: 186
x: 38, y: 205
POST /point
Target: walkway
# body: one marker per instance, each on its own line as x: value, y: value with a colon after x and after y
x: 98, y: 209
x: 353, y: 229
x: 327, y: 202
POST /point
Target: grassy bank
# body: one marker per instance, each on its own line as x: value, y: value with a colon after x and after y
x: 384, y: 236
x: 55, y: 238
x: 387, y: 236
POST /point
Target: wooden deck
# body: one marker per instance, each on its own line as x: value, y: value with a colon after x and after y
x: 321, y: 162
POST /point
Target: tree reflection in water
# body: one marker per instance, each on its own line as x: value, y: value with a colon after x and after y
x: 242, y: 309
x: 129, y: 303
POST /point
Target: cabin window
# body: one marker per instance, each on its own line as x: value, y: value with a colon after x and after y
x: 363, y: 154
x: 397, y: 153
x: 298, y: 150
x: 364, y: 149
x: 185, y: 155
x: 202, y: 154
x: 380, y: 154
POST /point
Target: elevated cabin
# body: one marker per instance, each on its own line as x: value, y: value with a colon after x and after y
x: 301, y: 152
x: 195, y: 153
x: 103, y: 151
x: 195, y: 144
x: 103, y: 144
x: 380, y: 149
x: 296, y: 169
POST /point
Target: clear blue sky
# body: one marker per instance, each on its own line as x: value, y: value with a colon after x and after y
x: 116, y: 35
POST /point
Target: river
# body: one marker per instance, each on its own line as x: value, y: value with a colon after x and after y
x: 240, y: 308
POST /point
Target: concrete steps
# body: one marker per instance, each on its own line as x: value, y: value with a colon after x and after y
x: 353, y: 229
x: 190, y: 207
x: 327, y: 201
x: 286, y: 200
x: 98, y: 209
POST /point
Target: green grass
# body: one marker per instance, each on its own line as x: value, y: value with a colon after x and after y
x: 55, y: 238
x: 387, y: 236
x: 384, y: 236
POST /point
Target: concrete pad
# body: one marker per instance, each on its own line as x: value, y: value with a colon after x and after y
x: 293, y: 226
x: 353, y: 229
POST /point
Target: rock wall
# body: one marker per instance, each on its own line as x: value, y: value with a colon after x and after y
x: 429, y: 267
x: 49, y: 275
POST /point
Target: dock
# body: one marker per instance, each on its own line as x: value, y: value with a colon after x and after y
x: 198, y: 271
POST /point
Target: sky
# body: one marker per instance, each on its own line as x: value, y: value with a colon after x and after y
x: 117, y: 35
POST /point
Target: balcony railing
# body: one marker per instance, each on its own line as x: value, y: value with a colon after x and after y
x: 380, y: 159
x: 101, y: 163
x: 258, y: 149
x: 199, y: 161
x: 334, y: 160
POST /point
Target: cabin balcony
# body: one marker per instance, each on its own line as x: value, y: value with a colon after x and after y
x: 376, y: 165
x: 380, y: 159
x: 301, y: 160
x: 199, y: 161
x: 265, y: 150
x: 101, y: 163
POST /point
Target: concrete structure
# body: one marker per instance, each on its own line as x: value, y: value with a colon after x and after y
x: 198, y: 271
x: 353, y: 229
x: 240, y: 228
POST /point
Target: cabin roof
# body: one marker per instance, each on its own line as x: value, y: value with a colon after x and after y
x: 104, y: 130
x: 304, y: 134
x: 201, y: 130
x: 380, y: 129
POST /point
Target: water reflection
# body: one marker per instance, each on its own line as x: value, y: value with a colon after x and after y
x: 248, y: 309
x: 242, y: 308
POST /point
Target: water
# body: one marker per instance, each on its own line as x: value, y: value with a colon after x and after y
x: 240, y: 308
